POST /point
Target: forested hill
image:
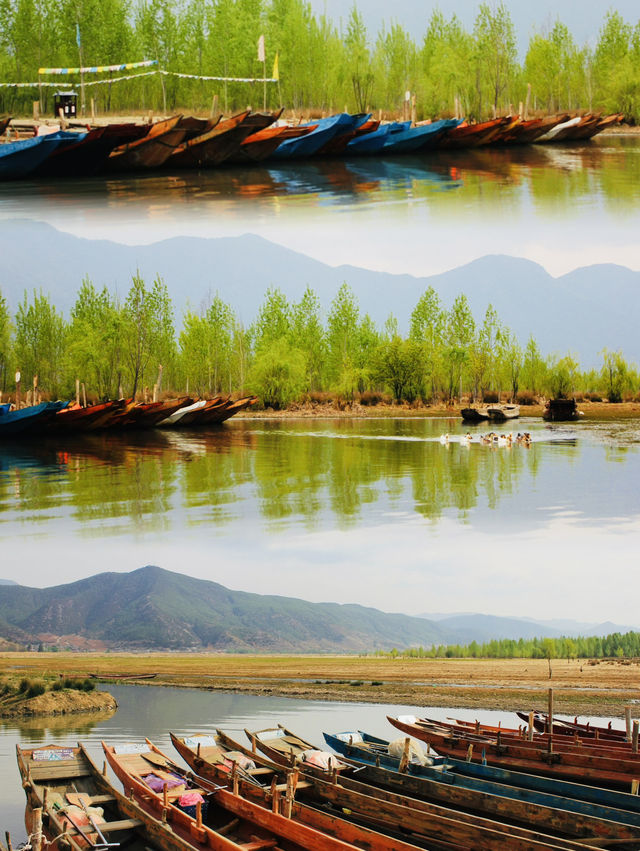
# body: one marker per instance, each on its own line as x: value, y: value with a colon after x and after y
x: 151, y: 608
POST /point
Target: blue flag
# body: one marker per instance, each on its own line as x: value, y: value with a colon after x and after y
x: 78, y: 35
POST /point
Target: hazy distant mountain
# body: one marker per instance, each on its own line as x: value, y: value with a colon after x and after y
x: 469, y: 627
x: 7, y: 582
x: 158, y: 609
x: 583, y: 312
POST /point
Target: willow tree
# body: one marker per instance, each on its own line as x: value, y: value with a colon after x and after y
x: 495, y: 54
x: 40, y: 337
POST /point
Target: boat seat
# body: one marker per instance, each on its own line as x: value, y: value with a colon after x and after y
x: 256, y: 844
x: 303, y: 784
x: 257, y: 771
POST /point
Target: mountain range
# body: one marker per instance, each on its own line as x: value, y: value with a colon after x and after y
x: 155, y: 609
x: 582, y: 312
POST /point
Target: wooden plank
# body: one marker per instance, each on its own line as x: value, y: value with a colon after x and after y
x: 60, y: 772
x: 123, y: 824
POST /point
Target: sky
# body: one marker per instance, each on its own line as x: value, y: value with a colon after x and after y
x: 583, y: 17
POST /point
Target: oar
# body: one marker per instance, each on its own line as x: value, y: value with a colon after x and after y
x: 104, y: 843
x: 163, y: 762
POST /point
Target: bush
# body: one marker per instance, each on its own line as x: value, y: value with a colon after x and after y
x: 35, y: 689
x: 490, y: 396
x: 24, y: 685
x: 57, y: 686
x: 593, y: 397
x: 88, y: 685
x: 526, y: 397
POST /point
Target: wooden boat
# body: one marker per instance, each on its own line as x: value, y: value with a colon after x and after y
x: 21, y: 158
x: 554, y: 760
x: 519, y: 736
x: 224, y: 140
x: 151, y: 150
x: 417, y: 820
x: 184, y: 415
x: 261, y: 145
x: 255, y: 779
x: 560, y: 131
x: 76, y: 418
x: 113, y: 410
x: 562, y: 726
x: 503, y: 132
x: 149, y: 414
x: 230, y: 821
x: 561, y: 410
x: 24, y: 422
x: 67, y: 786
x: 472, y: 135
x: 85, y: 155
x: 219, y: 415
x: 474, y: 414
x: 362, y: 123
x: 407, y: 139
x: 499, y: 413
x: 368, y: 143
x: 324, y: 129
x: 278, y: 744
x: 5, y: 121
x: 545, y: 811
x: 608, y: 121
x: 124, y: 676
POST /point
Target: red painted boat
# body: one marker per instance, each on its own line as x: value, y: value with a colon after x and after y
x: 261, y: 145
x: 473, y: 135
x: 217, y: 145
x: 555, y: 761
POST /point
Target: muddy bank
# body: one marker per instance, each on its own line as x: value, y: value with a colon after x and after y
x: 591, y: 411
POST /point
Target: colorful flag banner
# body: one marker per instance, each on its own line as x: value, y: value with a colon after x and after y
x: 261, y: 54
x: 219, y: 79
x: 61, y: 85
x: 99, y: 69
x: 276, y: 71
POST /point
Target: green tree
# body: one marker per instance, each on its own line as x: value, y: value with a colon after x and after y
x: 342, y: 329
x: 93, y: 349
x: 278, y: 374
x: 427, y: 328
x: 495, y: 43
x: 615, y: 375
x: 40, y: 343
x: 399, y: 364
x: 147, y: 330
x: 359, y: 66
x: 5, y: 343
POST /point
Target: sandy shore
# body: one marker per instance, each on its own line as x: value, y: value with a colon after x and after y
x: 581, y: 687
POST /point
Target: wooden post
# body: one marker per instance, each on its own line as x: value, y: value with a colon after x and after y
x: 527, y: 102
x: 84, y: 396
x: 413, y: 109
x: 104, y: 768
x: 165, y: 796
x: 634, y: 740
x: 520, y: 110
x: 77, y: 391
x: 627, y: 721
x: 214, y: 106
x: 469, y: 753
x: 634, y: 787
x: 36, y: 839
x: 7, y: 837
x: 63, y: 122
x: 18, y: 389
x: 530, y: 728
x: 36, y: 110
x: 198, y: 750
x: 93, y: 109
x: 404, y: 760
x: 199, y: 814
x: 550, y: 718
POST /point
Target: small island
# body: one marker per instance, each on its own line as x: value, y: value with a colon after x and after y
x: 24, y: 698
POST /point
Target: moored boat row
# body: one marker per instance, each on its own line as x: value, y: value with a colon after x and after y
x: 120, y: 414
x: 185, y: 142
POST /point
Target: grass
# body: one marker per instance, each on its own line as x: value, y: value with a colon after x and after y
x: 603, y: 688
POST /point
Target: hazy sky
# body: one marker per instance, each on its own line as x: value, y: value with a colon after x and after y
x: 583, y: 17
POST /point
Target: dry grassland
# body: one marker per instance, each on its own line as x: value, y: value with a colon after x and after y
x: 580, y: 686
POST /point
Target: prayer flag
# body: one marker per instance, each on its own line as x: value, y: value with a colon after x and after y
x: 261, y: 49
x: 78, y: 42
x: 275, y: 75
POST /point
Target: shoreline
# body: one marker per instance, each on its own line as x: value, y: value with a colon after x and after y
x: 329, y: 410
x: 581, y: 686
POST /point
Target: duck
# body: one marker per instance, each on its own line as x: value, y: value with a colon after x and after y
x: 444, y: 438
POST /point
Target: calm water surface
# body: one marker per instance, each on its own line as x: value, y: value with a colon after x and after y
x: 602, y: 174
x: 153, y: 712
x: 322, y: 509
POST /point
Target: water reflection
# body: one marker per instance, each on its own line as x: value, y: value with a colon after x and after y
x: 315, y: 473
x: 605, y: 172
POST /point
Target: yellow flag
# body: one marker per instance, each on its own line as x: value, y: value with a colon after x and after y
x: 275, y: 75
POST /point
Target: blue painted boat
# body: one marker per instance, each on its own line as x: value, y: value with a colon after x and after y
x: 325, y: 129
x: 406, y: 139
x: 19, y: 159
x: 378, y: 766
x: 369, y: 143
x: 27, y: 420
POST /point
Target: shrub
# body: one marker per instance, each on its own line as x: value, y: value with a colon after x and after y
x: 526, y: 397
x: 24, y: 685
x: 57, y: 686
x: 371, y: 398
x: 88, y: 685
x: 593, y: 397
x: 35, y: 689
x: 490, y: 396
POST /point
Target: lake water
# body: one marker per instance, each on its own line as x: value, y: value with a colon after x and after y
x: 152, y: 712
x: 374, y: 511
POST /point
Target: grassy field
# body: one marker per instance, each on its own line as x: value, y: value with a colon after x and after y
x: 587, y: 687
